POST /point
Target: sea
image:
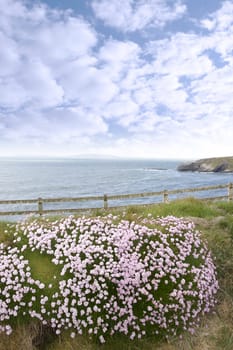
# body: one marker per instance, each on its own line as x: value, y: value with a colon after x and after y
x: 55, y: 178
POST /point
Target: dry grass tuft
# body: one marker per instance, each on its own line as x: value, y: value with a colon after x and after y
x: 20, y: 339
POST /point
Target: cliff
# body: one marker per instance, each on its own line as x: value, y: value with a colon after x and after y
x: 216, y: 165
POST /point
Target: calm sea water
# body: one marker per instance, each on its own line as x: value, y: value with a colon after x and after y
x: 49, y: 178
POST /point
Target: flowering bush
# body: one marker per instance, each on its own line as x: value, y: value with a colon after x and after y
x: 115, y: 276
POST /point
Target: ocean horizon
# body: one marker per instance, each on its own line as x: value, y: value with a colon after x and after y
x: 31, y: 178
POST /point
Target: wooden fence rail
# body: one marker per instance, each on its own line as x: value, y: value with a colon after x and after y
x: 105, y: 198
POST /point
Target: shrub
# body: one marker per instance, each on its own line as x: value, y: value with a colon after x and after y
x: 114, y: 277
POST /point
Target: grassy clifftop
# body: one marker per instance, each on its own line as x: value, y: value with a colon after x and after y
x: 220, y: 164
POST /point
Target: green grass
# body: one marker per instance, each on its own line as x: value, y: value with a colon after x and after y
x: 226, y: 207
x: 182, y: 208
x: 227, y: 225
x: 6, y: 232
x: 116, y: 343
x: 189, y: 207
x: 214, y: 220
x: 41, y: 267
x: 219, y: 160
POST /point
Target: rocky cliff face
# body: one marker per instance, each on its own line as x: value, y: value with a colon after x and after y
x: 223, y: 164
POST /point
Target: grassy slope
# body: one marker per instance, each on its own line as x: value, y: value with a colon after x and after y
x: 214, y: 162
x: 209, y: 164
x: 215, y: 220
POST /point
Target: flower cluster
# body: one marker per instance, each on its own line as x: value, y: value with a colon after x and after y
x: 115, y: 277
x: 16, y: 284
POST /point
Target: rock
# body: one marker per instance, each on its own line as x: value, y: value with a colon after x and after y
x: 217, y: 165
x: 188, y: 167
x: 220, y: 168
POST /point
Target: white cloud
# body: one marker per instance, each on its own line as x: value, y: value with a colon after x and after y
x: 215, y: 88
x: 123, y: 109
x: 118, y: 58
x: 114, y: 51
x: 220, y: 25
x: 53, y: 126
x: 69, y: 37
x: 185, y: 52
x: 9, y: 58
x: 221, y: 19
x: 132, y: 15
x: 40, y: 85
x: 61, y: 85
x: 46, y: 66
x: 87, y: 85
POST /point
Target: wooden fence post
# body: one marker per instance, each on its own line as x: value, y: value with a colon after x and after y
x: 105, y: 201
x: 40, y: 206
x: 230, y: 191
x: 165, y: 196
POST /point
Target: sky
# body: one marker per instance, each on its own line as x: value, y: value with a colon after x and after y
x: 121, y: 78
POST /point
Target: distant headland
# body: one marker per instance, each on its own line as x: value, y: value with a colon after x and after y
x: 216, y: 165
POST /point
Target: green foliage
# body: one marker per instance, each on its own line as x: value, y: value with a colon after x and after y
x: 216, y: 227
x: 185, y: 207
x: 6, y: 232
x: 110, y: 278
x: 227, y: 224
x: 219, y: 237
x: 41, y: 267
x: 225, y: 206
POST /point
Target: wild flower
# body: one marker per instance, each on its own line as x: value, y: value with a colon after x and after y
x: 114, y: 278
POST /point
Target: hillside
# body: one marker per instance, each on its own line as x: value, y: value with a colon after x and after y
x: 221, y: 164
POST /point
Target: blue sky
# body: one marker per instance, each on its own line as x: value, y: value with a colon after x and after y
x: 131, y: 78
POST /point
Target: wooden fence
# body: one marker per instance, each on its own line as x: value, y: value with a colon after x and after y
x: 105, y: 198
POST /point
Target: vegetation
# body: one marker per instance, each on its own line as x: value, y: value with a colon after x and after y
x: 220, y: 164
x: 213, y: 219
x: 215, y: 161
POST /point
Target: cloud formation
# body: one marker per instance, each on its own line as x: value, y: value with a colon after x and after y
x: 69, y: 86
x: 133, y: 15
